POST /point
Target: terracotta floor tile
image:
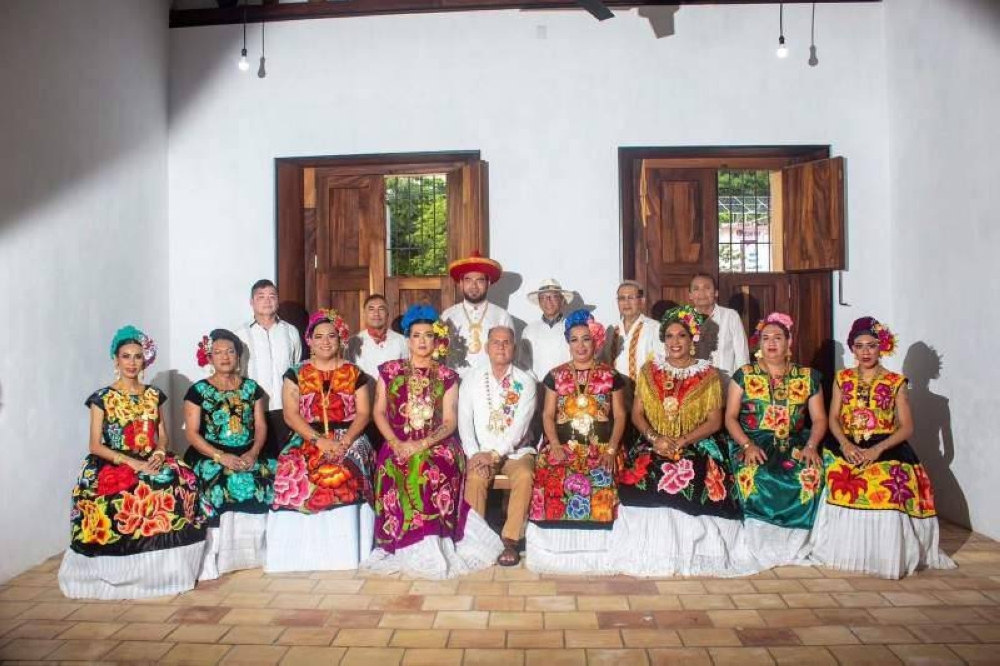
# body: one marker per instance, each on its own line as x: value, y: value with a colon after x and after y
x: 533, y: 589
x: 825, y: 635
x: 729, y: 586
x: 482, y: 588
x: 198, y: 598
x: 812, y: 600
x: 626, y: 619
x: 708, y: 637
x: 905, y: 616
x: 28, y: 648
x: 550, y: 603
x: 802, y: 656
x: 611, y: 602
x: 987, y: 633
x: 794, y: 617
x: 493, y: 603
x: 481, y: 657
x: 535, y: 639
x: 432, y: 657
x: 767, y: 637
x: 249, y: 599
x: 248, y: 616
x: 797, y: 572
x: 354, y: 619
x: 973, y: 583
x: 447, y: 602
x: 297, y: 585
x: 571, y: 620
x: 396, y: 602
x: 759, y: 601
x: 382, y: 586
x: 302, y: 618
x: 399, y: 620
x: 338, y: 586
x: 461, y: 620
x: 90, y: 630
x: 50, y: 611
x: 706, y: 601
x: 98, y: 613
x: 780, y: 586
x: 434, y: 587
x: 314, y: 656
x: 676, y: 619
x: 198, y: 633
x: 614, y: 657
x: 976, y: 654
x: 942, y: 633
x: 11, y: 609
x: 83, y: 650
x: 516, y: 620
x: 149, y: 614
x: 827, y: 585
x: 925, y: 654
x: 881, y: 634
x: 309, y: 636
x: 21, y: 593
x: 679, y: 657
x: 964, y: 598
x: 851, y: 616
x: 255, y: 654
x: 681, y: 587
x: 654, y: 602
x: 989, y: 614
x: 419, y: 638
x: 345, y: 601
x: 955, y: 615
x: 477, y: 638
x: 38, y: 629
x: 200, y: 614
x: 139, y: 651
x: 252, y: 635
x: 650, y: 638
x: 740, y: 656
x: 363, y: 637
x: 864, y: 655
x: 593, y: 638
x: 195, y: 653
x: 545, y: 657
x: 514, y: 574
x: 911, y: 599
x: 880, y: 585
x: 144, y: 631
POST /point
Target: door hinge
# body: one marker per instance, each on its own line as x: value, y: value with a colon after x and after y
x: 315, y: 261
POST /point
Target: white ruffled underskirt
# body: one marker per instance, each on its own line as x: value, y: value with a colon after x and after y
x: 437, y: 557
x: 157, y: 573
x: 554, y: 550
x: 774, y: 546
x: 237, y: 543
x: 662, y: 542
x: 332, y: 540
x: 887, y: 544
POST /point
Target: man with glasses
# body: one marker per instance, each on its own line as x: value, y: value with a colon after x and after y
x: 634, y: 341
x: 543, y: 342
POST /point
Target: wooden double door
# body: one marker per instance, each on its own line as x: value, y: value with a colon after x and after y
x: 671, y: 229
x: 333, y: 248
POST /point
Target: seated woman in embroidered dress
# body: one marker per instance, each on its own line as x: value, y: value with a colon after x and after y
x: 878, y: 516
x: 679, y: 513
x: 779, y: 472
x: 226, y: 427
x: 321, y: 516
x: 138, y: 523
x: 575, y: 498
x: 424, y: 527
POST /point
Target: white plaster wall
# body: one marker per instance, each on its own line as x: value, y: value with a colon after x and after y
x: 83, y: 238
x: 548, y: 114
x: 943, y: 68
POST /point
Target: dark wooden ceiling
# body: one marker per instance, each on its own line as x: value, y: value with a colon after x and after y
x: 184, y: 18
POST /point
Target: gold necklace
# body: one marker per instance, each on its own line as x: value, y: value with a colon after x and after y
x: 475, y: 328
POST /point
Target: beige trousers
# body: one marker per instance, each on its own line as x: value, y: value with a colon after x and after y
x: 522, y: 476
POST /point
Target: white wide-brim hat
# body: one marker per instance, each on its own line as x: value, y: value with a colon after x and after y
x: 549, y: 285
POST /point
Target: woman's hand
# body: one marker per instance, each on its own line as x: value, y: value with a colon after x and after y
x: 608, y: 460
x: 231, y: 462
x: 753, y: 455
x: 249, y: 459
x: 557, y: 452
x: 868, y: 456
x: 482, y: 464
x: 154, y: 463
x: 811, y: 457
x: 852, y: 453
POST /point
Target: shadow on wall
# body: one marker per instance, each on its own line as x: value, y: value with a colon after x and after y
x: 178, y: 387
x: 932, y: 437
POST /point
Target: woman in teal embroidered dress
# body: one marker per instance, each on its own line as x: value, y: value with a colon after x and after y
x: 779, y: 472
x: 138, y: 523
x: 226, y: 428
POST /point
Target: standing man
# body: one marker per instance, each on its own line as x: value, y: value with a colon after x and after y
x: 473, y: 317
x: 495, y: 404
x: 272, y: 346
x: 731, y: 351
x: 637, y: 337
x: 543, y: 343
x: 376, y: 343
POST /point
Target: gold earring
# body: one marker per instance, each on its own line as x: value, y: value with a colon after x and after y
x: 693, y: 351
x: 141, y: 373
x: 758, y: 354
x: 788, y: 355
x: 118, y: 373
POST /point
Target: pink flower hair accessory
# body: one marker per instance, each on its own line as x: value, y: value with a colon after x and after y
x: 780, y: 319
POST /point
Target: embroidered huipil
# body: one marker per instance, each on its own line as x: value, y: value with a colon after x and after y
x: 495, y: 415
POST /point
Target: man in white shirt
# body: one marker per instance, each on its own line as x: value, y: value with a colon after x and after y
x: 637, y: 337
x: 376, y: 343
x: 472, y: 318
x: 495, y: 404
x: 272, y: 346
x: 731, y: 351
x: 543, y: 342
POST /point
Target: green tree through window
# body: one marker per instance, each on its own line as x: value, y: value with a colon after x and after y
x: 417, y: 213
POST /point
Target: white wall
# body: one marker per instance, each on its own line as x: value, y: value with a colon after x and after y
x: 944, y: 88
x: 548, y: 114
x: 83, y: 238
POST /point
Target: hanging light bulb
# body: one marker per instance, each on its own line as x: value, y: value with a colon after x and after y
x: 782, y: 51
x: 244, y: 64
x: 261, y: 73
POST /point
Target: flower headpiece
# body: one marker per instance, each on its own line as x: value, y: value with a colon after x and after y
x: 887, y: 342
x: 779, y: 318
x: 130, y: 333
x: 686, y: 316
x: 204, y: 351
x: 329, y: 316
x: 584, y: 318
x: 427, y: 314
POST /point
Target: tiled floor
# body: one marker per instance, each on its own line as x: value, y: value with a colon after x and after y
x: 794, y: 615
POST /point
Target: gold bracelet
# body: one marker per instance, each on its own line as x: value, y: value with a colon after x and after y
x: 217, y: 456
x: 159, y: 453
x: 747, y: 445
x: 118, y: 459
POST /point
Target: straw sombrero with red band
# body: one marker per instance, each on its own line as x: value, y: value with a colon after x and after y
x: 476, y: 263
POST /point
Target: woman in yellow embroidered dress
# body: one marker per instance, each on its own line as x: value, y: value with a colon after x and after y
x: 878, y: 516
x: 679, y: 514
x: 775, y: 451
x: 321, y: 516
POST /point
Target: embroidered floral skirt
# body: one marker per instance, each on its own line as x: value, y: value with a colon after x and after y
x: 308, y: 482
x: 577, y: 492
x: 698, y: 484
x: 227, y: 490
x: 420, y: 497
x: 782, y: 491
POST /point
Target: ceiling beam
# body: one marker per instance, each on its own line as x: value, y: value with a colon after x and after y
x: 186, y: 18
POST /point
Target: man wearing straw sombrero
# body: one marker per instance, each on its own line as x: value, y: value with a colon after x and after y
x: 472, y: 318
x: 543, y: 345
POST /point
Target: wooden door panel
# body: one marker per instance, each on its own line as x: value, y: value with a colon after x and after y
x: 402, y: 292
x: 345, y: 290
x: 754, y: 295
x: 682, y: 240
x: 813, y: 314
x: 813, y: 206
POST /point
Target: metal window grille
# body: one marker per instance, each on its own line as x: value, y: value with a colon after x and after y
x: 417, y: 219
x: 744, y: 221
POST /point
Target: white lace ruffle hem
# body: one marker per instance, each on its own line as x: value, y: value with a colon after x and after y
x: 237, y: 543
x: 157, y: 573
x: 337, y: 539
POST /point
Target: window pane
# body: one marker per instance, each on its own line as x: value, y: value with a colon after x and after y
x: 744, y: 221
x: 417, y: 217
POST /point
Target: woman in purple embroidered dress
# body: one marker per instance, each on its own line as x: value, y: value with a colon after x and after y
x: 423, y: 526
